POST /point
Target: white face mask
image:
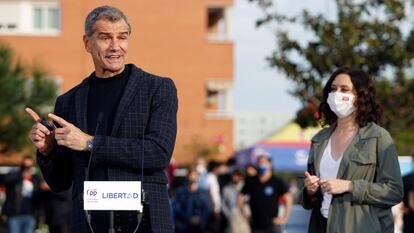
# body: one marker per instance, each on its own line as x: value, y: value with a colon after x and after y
x: 341, y: 104
x: 201, y: 169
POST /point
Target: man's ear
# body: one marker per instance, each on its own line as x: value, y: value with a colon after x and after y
x: 86, y: 43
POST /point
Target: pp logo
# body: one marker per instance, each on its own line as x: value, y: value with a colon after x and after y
x: 91, y: 192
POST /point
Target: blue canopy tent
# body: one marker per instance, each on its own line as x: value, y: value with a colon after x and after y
x: 288, y: 148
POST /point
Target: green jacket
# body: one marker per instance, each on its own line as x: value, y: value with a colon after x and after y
x: 371, y: 163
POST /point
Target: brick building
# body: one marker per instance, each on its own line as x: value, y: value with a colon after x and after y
x: 187, y: 40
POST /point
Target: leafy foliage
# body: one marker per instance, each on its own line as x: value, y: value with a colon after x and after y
x: 18, y: 91
x: 367, y: 34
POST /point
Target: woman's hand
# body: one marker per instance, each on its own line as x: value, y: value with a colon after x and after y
x: 311, y: 183
x: 279, y: 221
x: 336, y: 186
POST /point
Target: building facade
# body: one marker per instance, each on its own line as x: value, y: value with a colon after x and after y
x: 187, y: 40
x: 253, y: 127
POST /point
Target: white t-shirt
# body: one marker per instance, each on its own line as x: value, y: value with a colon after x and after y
x: 210, y: 183
x: 328, y: 170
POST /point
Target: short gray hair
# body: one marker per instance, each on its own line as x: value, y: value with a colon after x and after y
x: 110, y: 13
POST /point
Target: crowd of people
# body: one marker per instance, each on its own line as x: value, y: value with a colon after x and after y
x: 214, y: 197
x: 30, y: 203
x: 219, y: 197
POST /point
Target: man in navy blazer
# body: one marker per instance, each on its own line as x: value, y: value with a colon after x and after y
x: 112, y: 119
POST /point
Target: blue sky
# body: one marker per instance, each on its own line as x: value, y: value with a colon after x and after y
x: 257, y: 87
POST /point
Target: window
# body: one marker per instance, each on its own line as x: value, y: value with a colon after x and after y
x: 218, y: 23
x: 38, y: 17
x: 37, y: 20
x: 9, y: 18
x: 46, y: 18
x: 217, y: 100
x: 53, y: 18
x: 211, y: 98
x: 222, y: 100
x: 218, y: 97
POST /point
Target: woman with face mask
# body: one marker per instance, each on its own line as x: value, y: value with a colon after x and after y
x: 353, y: 176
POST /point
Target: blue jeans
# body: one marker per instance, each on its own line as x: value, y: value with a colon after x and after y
x: 21, y: 224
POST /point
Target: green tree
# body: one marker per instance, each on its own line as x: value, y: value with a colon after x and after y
x: 372, y: 35
x: 20, y: 87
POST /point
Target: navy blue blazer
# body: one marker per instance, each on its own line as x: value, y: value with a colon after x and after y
x: 146, y: 99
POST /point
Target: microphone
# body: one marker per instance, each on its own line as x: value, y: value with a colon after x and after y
x: 145, y: 120
x: 143, y: 195
x: 87, y: 169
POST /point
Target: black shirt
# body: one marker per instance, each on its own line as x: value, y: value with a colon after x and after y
x: 264, y: 200
x: 103, y: 97
x: 408, y: 218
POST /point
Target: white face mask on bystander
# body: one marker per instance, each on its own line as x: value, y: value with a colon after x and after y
x: 341, y: 104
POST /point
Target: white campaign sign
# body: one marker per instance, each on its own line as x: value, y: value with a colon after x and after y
x: 112, y: 195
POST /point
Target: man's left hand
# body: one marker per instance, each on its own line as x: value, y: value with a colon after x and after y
x: 279, y: 221
x: 70, y: 135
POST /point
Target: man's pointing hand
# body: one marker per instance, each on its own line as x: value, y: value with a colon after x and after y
x: 69, y: 135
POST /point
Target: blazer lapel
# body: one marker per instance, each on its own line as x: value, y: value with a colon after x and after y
x: 352, y: 151
x: 81, y: 103
x: 349, y: 152
x: 129, y: 92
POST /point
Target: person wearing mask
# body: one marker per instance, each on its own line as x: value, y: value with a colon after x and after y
x: 251, y: 173
x: 231, y: 211
x: 264, y: 193
x: 192, y: 206
x: 200, y: 166
x: 353, y: 176
x: 22, y: 197
x: 226, y: 172
x: 210, y: 183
